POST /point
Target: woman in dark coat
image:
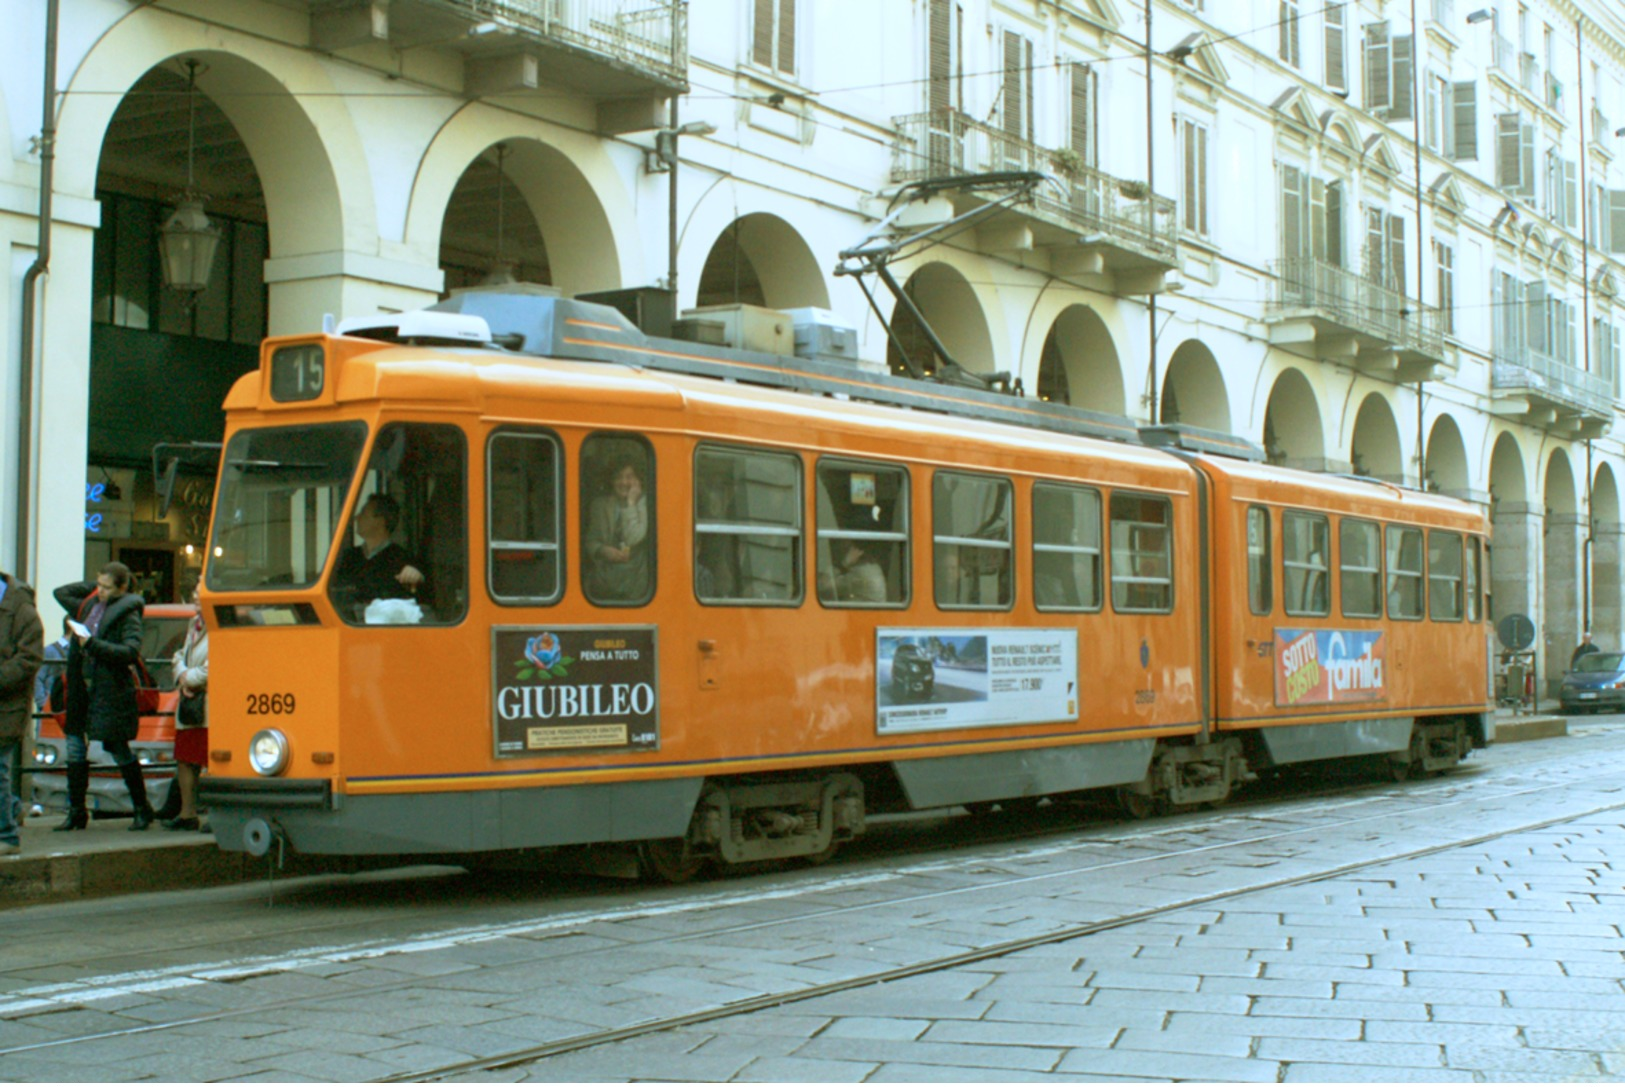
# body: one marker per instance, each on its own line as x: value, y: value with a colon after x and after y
x: 100, y: 690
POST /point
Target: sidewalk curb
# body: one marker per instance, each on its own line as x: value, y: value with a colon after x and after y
x: 1530, y: 728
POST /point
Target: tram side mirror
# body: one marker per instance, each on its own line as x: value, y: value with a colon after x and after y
x: 164, y: 483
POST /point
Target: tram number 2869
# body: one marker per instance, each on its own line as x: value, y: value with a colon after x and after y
x: 266, y: 705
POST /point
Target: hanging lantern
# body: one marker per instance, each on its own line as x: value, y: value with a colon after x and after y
x: 186, y: 245
x: 187, y: 240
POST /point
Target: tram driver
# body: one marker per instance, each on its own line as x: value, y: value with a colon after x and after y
x: 377, y: 568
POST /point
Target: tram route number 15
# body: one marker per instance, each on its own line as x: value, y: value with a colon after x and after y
x: 266, y: 705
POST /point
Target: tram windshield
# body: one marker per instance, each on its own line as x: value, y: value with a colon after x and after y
x: 281, y: 493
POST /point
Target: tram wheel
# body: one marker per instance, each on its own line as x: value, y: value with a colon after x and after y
x: 1136, y: 805
x: 668, y: 860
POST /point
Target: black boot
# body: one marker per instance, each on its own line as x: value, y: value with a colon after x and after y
x: 78, y: 785
x: 138, y: 795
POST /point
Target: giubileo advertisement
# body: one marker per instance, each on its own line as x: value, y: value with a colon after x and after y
x: 564, y: 689
x: 932, y: 679
x: 1317, y: 667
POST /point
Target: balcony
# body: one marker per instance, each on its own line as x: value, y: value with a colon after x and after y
x: 1092, y: 222
x: 1533, y: 387
x: 604, y: 49
x: 1322, y: 311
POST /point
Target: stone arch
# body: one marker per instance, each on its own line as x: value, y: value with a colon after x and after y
x: 1607, y: 601
x: 1561, y: 601
x: 1079, y: 364
x: 1193, y: 391
x: 761, y: 260
x: 568, y: 187
x: 1515, y: 523
x: 1447, y: 459
x: 1375, y: 449
x: 1293, y: 435
x: 949, y: 303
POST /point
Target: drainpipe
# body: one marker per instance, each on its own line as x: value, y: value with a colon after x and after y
x: 1585, y: 301
x: 42, y: 263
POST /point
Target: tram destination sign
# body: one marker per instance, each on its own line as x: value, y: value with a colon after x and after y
x: 557, y: 689
x: 930, y: 678
x: 1319, y: 667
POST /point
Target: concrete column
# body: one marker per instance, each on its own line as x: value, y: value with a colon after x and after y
x: 1607, y: 587
x: 1514, y: 558
x: 1560, y: 607
x: 344, y: 284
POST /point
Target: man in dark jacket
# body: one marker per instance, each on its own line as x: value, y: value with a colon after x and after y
x: 100, y: 687
x: 21, y: 651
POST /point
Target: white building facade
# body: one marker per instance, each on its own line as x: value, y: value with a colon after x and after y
x: 1379, y: 236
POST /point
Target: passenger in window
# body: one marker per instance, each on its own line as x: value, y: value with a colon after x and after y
x: 377, y: 568
x: 617, y: 538
x: 858, y: 573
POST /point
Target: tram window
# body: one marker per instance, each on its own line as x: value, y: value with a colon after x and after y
x: 972, y: 541
x: 1444, y: 576
x: 1142, y: 553
x: 1471, y: 574
x: 618, y: 520
x: 1306, y: 563
x: 747, y: 526
x: 410, y: 542
x: 523, y: 517
x: 1066, y: 548
x: 282, y: 493
x: 1260, y: 584
x: 1406, y: 573
x: 862, y: 549
x: 1360, y: 556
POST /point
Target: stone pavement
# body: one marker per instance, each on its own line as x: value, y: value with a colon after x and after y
x: 1502, y: 962
x: 106, y: 858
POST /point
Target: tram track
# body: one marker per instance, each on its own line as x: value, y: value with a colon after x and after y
x: 90, y: 990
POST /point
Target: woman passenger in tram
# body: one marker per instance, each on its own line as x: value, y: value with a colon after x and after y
x: 617, y: 537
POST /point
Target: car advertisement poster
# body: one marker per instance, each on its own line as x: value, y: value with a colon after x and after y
x: 1320, y: 667
x: 928, y: 679
x: 565, y: 689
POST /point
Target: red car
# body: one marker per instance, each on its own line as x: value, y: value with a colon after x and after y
x: 163, y: 631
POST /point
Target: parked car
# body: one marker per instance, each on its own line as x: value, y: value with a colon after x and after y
x: 163, y: 630
x: 1596, y: 682
x: 913, y: 675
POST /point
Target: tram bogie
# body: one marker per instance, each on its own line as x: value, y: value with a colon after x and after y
x: 684, y: 622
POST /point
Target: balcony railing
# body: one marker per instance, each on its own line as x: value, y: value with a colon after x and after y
x: 948, y: 143
x: 1525, y: 370
x: 1364, y: 307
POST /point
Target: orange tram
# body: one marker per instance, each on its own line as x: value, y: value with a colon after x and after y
x: 682, y: 605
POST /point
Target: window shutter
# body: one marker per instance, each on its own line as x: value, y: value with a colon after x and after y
x: 1616, y: 220
x: 1291, y: 212
x: 1571, y: 194
x: 1554, y: 185
x: 762, y: 33
x: 1401, y: 107
x: 1288, y: 24
x: 939, y: 56
x: 1526, y: 154
x: 1373, y: 245
x: 1083, y: 113
x: 1432, y: 115
x: 1394, y: 229
x: 1027, y: 90
x: 1464, y: 118
x: 1317, y: 219
x: 1379, y: 89
x: 1013, y: 97
x: 1337, y: 77
x: 1508, y: 163
x: 1534, y: 311
x: 1194, y: 145
x: 787, y: 37
x: 1569, y: 330
x: 1334, y: 224
x: 1498, y: 314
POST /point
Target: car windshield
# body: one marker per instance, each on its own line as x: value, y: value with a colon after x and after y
x: 281, y: 492
x: 1600, y: 662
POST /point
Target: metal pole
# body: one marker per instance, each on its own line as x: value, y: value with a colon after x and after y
x: 1151, y: 188
x: 1421, y: 243
x: 1585, y: 298
x: 671, y: 207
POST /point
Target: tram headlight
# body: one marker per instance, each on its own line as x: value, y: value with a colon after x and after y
x: 268, y: 752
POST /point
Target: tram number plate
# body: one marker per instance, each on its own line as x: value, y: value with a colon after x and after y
x: 267, y: 705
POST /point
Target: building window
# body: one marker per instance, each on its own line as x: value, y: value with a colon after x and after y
x: 1016, y: 96
x: 773, y: 35
x: 1287, y: 47
x: 1084, y: 131
x: 1336, y: 42
x: 1193, y: 176
x: 1444, y: 261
